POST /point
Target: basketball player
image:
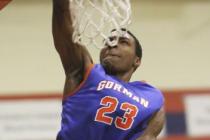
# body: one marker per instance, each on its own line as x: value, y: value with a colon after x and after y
x: 99, y: 102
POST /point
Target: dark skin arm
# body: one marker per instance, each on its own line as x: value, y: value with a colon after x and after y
x: 75, y: 58
x: 154, y: 127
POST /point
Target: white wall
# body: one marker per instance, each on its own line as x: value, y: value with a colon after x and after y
x: 174, y: 35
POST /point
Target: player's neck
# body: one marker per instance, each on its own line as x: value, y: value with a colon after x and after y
x: 126, y: 76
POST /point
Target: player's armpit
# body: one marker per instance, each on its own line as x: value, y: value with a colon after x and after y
x: 75, y: 58
x: 154, y: 127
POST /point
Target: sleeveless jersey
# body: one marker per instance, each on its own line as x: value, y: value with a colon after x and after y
x: 106, y: 108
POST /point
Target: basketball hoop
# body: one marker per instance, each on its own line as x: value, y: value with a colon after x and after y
x: 93, y: 20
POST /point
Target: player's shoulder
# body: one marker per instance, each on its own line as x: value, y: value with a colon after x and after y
x: 146, y: 86
x: 155, y: 94
x: 98, y: 68
x: 149, y: 90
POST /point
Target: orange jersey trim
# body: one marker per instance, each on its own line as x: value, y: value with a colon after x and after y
x: 87, y: 73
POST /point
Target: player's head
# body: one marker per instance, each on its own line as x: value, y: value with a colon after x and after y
x: 125, y: 55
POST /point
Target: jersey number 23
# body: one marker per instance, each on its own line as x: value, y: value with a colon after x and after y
x: 109, y: 105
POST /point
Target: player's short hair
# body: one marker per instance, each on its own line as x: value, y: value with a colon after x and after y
x: 138, y: 47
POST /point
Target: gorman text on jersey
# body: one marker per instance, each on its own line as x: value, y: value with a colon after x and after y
x: 121, y: 89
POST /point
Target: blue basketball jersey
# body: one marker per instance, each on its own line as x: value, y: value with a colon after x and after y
x: 106, y: 108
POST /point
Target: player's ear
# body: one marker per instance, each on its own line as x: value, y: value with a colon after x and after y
x: 137, y: 62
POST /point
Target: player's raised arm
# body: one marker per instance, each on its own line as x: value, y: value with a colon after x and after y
x: 75, y: 58
x: 155, y: 126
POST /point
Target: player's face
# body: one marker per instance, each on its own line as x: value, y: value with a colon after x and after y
x: 121, y: 57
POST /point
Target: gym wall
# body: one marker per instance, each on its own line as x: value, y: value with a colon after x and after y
x: 176, y: 54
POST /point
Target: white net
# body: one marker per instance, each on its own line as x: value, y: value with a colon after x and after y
x: 93, y: 20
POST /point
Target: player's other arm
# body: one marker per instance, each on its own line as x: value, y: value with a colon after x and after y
x: 154, y: 127
x: 75, y: 58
